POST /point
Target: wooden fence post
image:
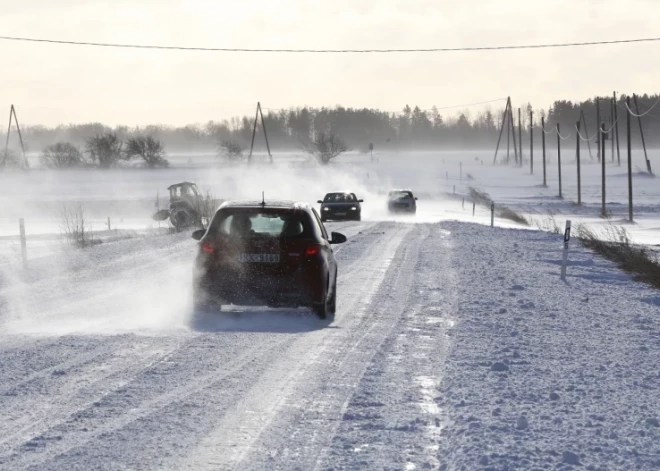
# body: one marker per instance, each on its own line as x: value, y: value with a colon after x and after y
x: 492, y: 214
x: 21, y: 226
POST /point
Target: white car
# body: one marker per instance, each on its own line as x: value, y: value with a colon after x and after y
x: 401, y: 201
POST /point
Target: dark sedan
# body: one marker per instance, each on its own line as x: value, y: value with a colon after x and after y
x: 341, y: 206
x: 274, y: 254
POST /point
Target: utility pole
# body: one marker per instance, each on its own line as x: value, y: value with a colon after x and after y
x: 559, y: 159
x: 601, y: 138
x: 513, y: 135
x: 520, y: 129
x: 616, y: 130
x: 630, y: 185
x: 531, y: 142
x: 610, y: 134
x: 545, y: 182
x: 507, y: 118
x: 497, y: 148
x: 641, y: 133
x: 598, y: 124
x: 586, y: 131
x: 577, y: 158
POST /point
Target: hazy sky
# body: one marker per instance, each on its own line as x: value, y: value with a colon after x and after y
x: 53, y: 84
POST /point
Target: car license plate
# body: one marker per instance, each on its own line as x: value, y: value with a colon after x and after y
x: 340, y: 214
x: 259, y: 258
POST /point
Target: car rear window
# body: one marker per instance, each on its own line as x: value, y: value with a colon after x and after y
x: 339, y: 198
x: 255, y: 223
x: 400, y: 194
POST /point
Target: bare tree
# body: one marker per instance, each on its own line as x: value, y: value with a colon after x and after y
x: 230, y: 150
x: 62, y: 155
x: 74, y: 225
x: 326, y: 147
x: 147, y: 148
x: 105, y: 150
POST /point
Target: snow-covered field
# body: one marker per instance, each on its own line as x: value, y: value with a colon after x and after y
x: 456, y: 345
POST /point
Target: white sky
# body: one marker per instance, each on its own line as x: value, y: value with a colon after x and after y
x: 51, y: 84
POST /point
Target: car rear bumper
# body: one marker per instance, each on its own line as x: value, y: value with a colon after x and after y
x: 401, y: 209
x: 259, y: 290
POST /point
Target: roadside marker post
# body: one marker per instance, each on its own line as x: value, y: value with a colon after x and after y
x: 21, y: 225
x: 463, y: 204
x: 474, y: 206
x: 567, y: 238
x: 109, y: 228
x: 492, y: 214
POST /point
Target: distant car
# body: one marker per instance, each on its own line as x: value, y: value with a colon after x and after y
x: 401, y: 201
x: 268, y: 253
x: 341, y: 206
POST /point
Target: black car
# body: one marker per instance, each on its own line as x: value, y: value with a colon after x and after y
x: 401, y: 201
x: 275, y: 254
x: 341, y: 206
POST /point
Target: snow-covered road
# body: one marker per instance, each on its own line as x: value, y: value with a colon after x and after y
x: 446, y: 335
x: 103, y: 366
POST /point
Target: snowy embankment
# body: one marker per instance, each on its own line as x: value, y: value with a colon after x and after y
x: 545, y: 374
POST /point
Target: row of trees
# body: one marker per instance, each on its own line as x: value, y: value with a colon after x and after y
x: 323, y: 147
x: 413, y: 128
x: 309, y: 128
x: 105, y: 151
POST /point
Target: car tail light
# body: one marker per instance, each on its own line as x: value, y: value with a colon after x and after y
x: 207, y: 247
x: 312, y: 250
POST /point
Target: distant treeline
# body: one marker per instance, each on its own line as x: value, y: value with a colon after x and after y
x: 410, y: 129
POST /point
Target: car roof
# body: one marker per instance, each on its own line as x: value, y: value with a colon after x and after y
x: 400, y: 189
x: 340, y: 193
x: 253, y: 204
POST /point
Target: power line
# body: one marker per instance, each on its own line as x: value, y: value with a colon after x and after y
x: 331, y: 51
x: 644, y: 113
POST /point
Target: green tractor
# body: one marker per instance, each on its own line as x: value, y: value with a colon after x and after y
x: 186, y: 206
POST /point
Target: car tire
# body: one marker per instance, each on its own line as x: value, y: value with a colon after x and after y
x: 332, y: 304
x: 326, y: 310
x: 359, y: 217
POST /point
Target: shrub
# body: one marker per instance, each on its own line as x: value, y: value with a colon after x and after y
x: 148, y: 149
x: 230, y: 150
x: 62, y: 155
x: 105, y: 150
x: 326, y: 147
x: 74, y: 225
x: 615, y: 245
x: 505, y: 212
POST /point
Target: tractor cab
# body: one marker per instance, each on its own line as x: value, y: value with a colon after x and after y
x: 184, y: 191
